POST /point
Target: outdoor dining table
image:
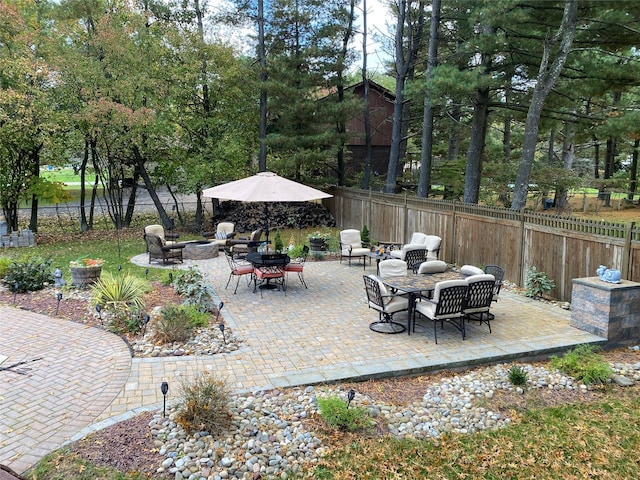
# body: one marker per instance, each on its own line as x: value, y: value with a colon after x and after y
x: 274, y: 262
x: 416, y: 284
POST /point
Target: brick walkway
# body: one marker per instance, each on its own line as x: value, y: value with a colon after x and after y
x: 85, y: 378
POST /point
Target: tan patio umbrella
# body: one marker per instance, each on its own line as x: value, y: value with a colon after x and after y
x: 265, y: 187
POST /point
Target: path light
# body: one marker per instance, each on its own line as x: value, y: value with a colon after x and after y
x: 146, y: 319
x: 99, y: 310
x: 220, y: 305
x: 119, y: 268
x: 224, y: 339
x: 16, y: 286
x: 146, y: 273
x: 164, y: 388
x: 171, y: 276
x: 350, y: 396
x: 58, y: 305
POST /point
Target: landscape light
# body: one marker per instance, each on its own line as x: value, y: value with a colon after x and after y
x: 164, y: 388
x: 58, y: 305
x: 350, y: 396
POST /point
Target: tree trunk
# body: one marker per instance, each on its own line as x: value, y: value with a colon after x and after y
x: 166, y: 222
x: 84, y: 225
x: 473, y: 169
x: 35, y: 163
x: 426, y: 158
x: 366, y: 110
x: 404, y: 63
x: 568, y: 154
x: 547, y: 76
x: 633, y: 171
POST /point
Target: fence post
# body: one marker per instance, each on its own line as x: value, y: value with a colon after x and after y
x: 626, y: 252
x: 452, y: 241
x: 404, y: 220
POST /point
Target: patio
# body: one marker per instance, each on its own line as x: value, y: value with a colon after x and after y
x: 321, y: 334
x: 315, y: 335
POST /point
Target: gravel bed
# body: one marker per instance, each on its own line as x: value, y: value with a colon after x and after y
x: 269, y: 437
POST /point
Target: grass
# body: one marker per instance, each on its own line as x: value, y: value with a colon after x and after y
x: 117, y: 248
x: 63, y: 464
x: 591, y: 440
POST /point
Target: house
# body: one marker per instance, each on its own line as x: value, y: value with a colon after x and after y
x: 381, y: 119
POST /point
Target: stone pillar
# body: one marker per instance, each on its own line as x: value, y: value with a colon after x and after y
x: 609, y: 310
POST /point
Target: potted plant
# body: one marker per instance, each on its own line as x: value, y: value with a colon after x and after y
x: 318, y: 241
x: 86, y: 271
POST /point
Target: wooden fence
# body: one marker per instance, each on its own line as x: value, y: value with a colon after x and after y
x: 563, y: 248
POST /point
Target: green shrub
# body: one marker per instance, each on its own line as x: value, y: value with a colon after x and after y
x: 192, y: 285
x: 277, y: 241
x: 537, y: 283
x: 31, y: 273
x: 122, y: 297
x: 364, y: 235
x: 205, y: 405
x: 583, y: 363
x: 296, y: 251
x: 4, y: 265
x: 517, y: 375
x: 337, y: 414
x: 177, y: 322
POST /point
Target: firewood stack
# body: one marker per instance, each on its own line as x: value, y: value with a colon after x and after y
x: 250, y: 216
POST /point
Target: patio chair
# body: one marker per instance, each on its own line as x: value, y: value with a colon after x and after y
x: 271, y: 269
x: 238, y: 269
x: 387, y: 305
x: 245, y: 245
x: 159, y: 249
x: 447, y: 305
x: 298, y: 265
x: 498, y: 273
x: 351, y: 246
x: 224, y: 232
x: 431, y: 243
x: 156, y: 229
x: 479, y: 298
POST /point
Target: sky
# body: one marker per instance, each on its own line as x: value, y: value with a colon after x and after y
x: 378, y: 16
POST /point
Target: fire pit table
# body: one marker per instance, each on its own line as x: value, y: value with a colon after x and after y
x: 200, y: 250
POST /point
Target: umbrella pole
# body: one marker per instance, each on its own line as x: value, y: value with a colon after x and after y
x: 266, y: 222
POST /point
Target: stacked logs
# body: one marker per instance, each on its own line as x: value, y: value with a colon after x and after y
x: 251, y: 216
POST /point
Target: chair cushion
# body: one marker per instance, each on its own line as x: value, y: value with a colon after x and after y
x: 243, y: 269
x: 269, y: 272
x: 432, y: 242
x: 396, y: 304
x: 351, y: 237
x: 396, y: 254
x: 446, y: 284
x: 221, y: 235
x: 471, y: 270
x: 225, y: 227
x: 432, y: 266
x: 294, y: 267
x: 418, y: 238
x: 355, y: 252
x: 393, y: 268
x: 479, y: 278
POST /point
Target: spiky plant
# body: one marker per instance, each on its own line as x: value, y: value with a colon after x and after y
x: 122, y: 297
